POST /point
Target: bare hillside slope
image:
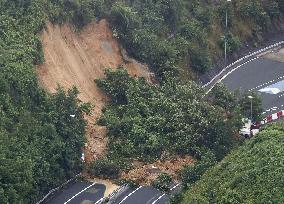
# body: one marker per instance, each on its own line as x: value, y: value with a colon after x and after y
x: 77, y: 59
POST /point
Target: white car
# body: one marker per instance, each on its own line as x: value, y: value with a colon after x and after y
x: 246, y: 130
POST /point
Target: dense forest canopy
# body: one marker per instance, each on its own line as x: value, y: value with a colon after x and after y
x: 251, y: 174
x: 40, y: 144
x: 146, y: 120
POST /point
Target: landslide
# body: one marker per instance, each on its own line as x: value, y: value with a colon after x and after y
x: 77, y: 59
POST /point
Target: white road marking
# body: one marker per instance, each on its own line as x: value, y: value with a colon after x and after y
x: 281, y: 95
x: 259, y: 52
x: 165, y: 194
x: 265, y: 83
x: 227, y: 74
x: 99, y: 201
x: 79, y: 193
x: 129, y: 195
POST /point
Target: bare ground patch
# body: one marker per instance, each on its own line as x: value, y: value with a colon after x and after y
x: 144, y: 173
x: 77, y: 59
x: 277, y: 55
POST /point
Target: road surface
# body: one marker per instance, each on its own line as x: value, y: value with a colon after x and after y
x: 146, y: 195
x: 258, y: 75
x: 79, y: 192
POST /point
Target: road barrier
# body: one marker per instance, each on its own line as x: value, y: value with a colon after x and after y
x: 213, y: 80
x: 271, y: 118
x: 58, y: 188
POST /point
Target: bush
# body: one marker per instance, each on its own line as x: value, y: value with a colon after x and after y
x: 200, y: 60
x: 190, y: 174
x: 162, y: 182
x: 251, y: 174
x: 233, y: 43
x: 104, y: 169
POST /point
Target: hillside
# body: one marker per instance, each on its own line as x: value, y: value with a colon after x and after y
x: 251, y: 174
x: 77, y: 59
x: 43, y: 129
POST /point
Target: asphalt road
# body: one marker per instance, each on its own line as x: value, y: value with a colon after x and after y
x: 86, y: 192
x: 256, y: 75
x: 71, y: 196
x: 146, y: 195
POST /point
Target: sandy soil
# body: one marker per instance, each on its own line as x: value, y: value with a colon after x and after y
x: 77, y: 59
x: 146, y: 173
x: 277, y: 55
x: 110, y: 187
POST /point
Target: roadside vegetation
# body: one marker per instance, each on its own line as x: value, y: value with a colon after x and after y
x: 174, y: 34
x: 146, y: 121
x: 40, y: 143
x: 251, y: 174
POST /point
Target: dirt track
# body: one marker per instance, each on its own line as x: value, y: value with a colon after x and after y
x: 77, y: 59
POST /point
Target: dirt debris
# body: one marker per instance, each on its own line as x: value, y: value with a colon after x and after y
x: 277, y: 55
x: 144, y: 174
x: 78, y: 59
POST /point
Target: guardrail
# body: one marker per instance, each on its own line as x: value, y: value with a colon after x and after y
x: 56, y: 189
x: 238, y: 61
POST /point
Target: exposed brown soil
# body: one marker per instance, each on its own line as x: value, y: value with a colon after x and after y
x: 146, y: 173
x: 77, y: 59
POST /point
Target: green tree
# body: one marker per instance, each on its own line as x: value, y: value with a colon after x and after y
x: 255, y: 103
x: 162, y: 182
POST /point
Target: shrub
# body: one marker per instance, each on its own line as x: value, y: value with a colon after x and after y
x: 163, y: 182
x: 104, y: 169
x: 200, y: 60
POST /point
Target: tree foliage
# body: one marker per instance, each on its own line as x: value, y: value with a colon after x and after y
x: 104, y: 169
x: 151, y: 30
x: 40, y: 144
x: 251, y: 174
x: 162, y: 182
x: 145, y: 120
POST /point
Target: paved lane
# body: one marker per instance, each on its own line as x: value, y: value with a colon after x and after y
x: 146, y: 195
x: 256, y: 75
x: 70, y: 194
x: 141, y: 195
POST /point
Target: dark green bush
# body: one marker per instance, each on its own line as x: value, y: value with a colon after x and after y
x: 162, y: 182
x: 104, y: 169
x: 252, y: 173
x: 200, y: 60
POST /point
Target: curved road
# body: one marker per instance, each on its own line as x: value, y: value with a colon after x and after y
x: 260, y: 75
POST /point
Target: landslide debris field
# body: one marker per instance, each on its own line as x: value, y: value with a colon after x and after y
x: 77, y: 59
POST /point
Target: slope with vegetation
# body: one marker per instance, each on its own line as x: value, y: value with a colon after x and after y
x: 40, y: 144
x: 251, y: 174
x: 146, y: 122
x: 76, y: 59
x: 168, y: 34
